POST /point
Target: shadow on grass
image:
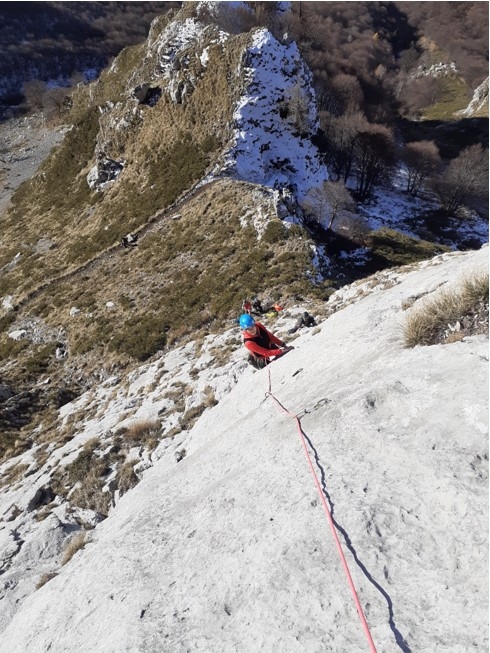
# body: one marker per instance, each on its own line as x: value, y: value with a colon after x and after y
x: 450, y: 136
x: 357, y: 258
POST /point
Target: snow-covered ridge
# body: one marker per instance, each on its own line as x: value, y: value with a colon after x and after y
x: 275, y: 118
x: 175, y: 39
x: 275, y: 113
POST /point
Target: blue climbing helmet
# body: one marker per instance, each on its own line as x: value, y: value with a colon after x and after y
x: 246, y: 321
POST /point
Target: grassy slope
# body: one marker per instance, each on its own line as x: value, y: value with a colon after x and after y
x: 185, y: 275
x: 167, y: 148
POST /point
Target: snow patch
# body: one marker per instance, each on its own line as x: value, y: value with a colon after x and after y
x: 274, y: 119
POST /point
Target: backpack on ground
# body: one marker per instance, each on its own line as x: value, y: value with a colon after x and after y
x: 258, y: 362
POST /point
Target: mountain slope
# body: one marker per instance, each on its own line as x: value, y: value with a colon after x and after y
x: 200, y: 141
x: 168, y: 121
x: 228, y: 549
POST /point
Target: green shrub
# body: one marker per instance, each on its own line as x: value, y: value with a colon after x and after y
x: 81, y: 250
x: 39, y: 361
x: 210, y: 144
x: 296, y: 231
x: 140, y: 337
x: 275, y: 232
x: 11, y: 348
x: 86, y: 462
x: 127, y: 304
x: 88, y: 471
x: 395, y: 249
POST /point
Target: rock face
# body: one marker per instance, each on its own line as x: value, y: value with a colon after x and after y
x: 436, y: 70
x: 226, y: 548
x: 479, y: 99
x: 275, y: 118
x: 104, y: 172
x: 219, y: 549
x: 267, y: 135
x: 146, y: 94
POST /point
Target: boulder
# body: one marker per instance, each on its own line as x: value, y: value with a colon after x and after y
x: 104, y: 172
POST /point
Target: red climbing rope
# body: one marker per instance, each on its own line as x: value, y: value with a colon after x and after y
x: 329, y: 517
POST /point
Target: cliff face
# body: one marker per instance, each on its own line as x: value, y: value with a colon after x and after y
x: 224, y: 545
x: 118, y: 360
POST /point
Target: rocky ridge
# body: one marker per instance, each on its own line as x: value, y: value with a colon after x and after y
x: 479, y: 99
x: 273, y: 110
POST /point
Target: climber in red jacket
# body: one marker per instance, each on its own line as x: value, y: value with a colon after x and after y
x: 261, y: 343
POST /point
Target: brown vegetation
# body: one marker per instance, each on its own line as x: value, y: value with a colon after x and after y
x: 451, y: 315
x: 465, y: 179
x: 459, y: 28
x: 421, y: 160
x: 76, y: 544
x: 59, y: 40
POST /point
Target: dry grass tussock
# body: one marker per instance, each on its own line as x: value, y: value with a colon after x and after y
x: 45, y: 578
x: 75, y: 544
x: 142, y: 431
x: 13, y: 474
x: 451, y: 315
x: 83, y: 479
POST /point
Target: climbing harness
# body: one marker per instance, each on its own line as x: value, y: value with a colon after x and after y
x: 327, y: 512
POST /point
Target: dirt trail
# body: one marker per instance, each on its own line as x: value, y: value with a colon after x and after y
x: 194, y: 192
x: 24, y: 144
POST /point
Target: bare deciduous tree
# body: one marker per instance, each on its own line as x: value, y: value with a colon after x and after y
x: 33, y: 92
x: 55, y: 102
x: 343, y: 94
x: 374, y: 157
x: 327, y: 203
x: 340, y: 200
x: 341, y: 134
x: 421, y: 160
x: 298, y: 109
x: 465, y: 178
x: 316, y: 206
x: 353, y: 226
